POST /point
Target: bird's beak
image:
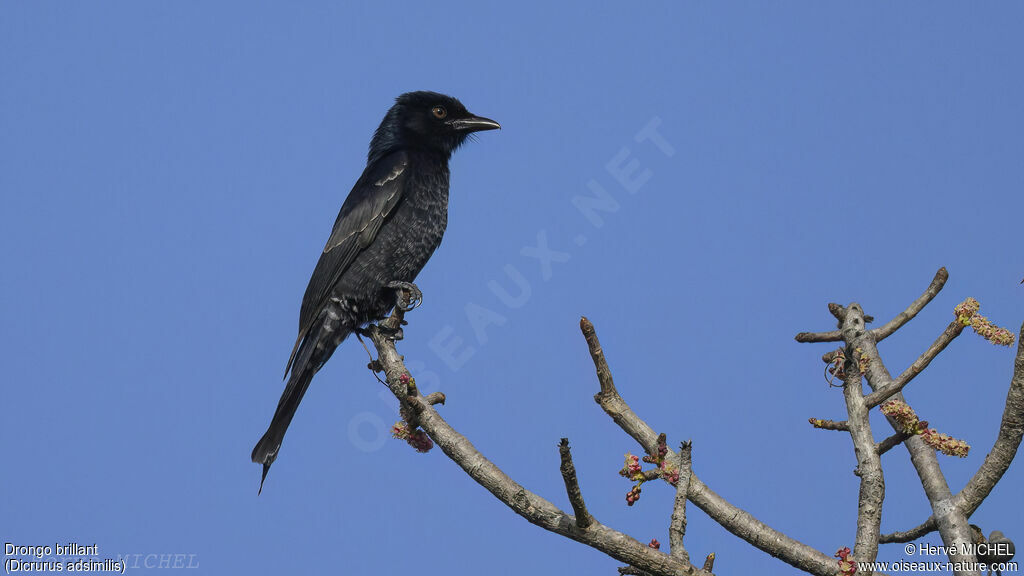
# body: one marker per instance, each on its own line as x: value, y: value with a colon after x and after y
x: 474, y: 124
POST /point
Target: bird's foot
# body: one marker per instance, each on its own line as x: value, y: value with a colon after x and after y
x: 386, y: 327
x: 393, y: 333
x: 407, y: 295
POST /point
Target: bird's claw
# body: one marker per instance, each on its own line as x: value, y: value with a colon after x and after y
x: 414, y: 293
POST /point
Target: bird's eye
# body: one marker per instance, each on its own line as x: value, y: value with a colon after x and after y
x: 439, y: 112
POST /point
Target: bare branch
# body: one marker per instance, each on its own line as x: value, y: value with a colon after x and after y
x: 869, y: 467
x: 1011, y: 430
x: 530, y: 506
x: 885, y: 391
x: 733, y: 519
x: 572, y: 487
x: 677, y: 529
x: 610, y: 400
x: 886, y: 330
x: 951, y: 522
x: 652, y: 474
x: 742, y: 524
x: 909, y: 535
x: 840, y: 426
x: 604, y: 374
x: 833, y: 336
x: 891, y: 442
x: 434, y: 398
x: 858, y: 360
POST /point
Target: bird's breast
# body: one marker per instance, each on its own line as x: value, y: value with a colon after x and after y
x: 419, y: 221
x: 401, y: 248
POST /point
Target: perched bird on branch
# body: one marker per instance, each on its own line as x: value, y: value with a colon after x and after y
x: 390, y: 224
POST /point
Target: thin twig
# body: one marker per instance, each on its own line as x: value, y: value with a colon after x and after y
x: 891, y: 442
x: 677, y: 529
x: 831, y: 336
x: 886, y: 330
x: 610, y: 400
x: 435, y: 398
x: 914, y: 533
x: 372, y: 366
x: 842, y: 425
x: 572, y: 486
x: 885, y: 391
x: 604, y: 374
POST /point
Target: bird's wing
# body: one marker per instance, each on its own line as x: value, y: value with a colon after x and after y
x: 371, y: 201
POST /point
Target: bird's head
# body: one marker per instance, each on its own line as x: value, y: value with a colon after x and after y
x: 426, y: 120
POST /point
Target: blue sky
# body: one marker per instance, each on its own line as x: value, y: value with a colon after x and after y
x: 170, y: 171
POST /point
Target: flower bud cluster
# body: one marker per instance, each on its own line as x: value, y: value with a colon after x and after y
x: 944, y: 443
x: 847, y: 567
x: 417, y: 438
x: 907, y: 419
x: 633, y: 470
x: 967, y: 313
x: 903, y: 414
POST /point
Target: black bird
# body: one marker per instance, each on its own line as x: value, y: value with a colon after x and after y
x: 390, y: 224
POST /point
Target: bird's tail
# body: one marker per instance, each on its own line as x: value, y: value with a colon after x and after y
x: 302, y: 372
x: 267, y: 448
